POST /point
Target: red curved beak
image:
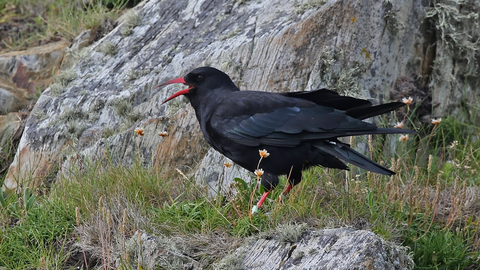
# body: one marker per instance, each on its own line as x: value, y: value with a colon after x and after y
x: 179, y: 93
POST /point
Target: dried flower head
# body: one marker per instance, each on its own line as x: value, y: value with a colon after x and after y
x: 453, y: 144
x: 408, y: 100
x: 403, y: 138
x: 258, y: 172
x: 264, y: 153
x: 163, y: 134
x: 139, y: 131
x: 227, y: 164
x: 436, y: 121
x: 399, y: 125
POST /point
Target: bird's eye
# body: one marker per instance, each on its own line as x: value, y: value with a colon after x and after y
x: 199, y: 78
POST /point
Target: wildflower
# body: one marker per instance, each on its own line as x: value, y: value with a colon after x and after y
x: 453, y: 144
x: 139, y: 131
x: 403, y: 138
x: 227, y: 164
x: 399, y: 125
x: 258, y: 172
x: 436, y: 121
x: 264, y: 153
x: 407, y: 101
x: 163, y: 134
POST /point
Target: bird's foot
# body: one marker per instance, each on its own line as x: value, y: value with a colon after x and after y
x: 255, y: 209
x: 287, y: 189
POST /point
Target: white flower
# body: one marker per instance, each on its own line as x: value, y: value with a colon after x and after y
x: 408, y: 100
x: 453, y: 144
x: 258, y: 172
x: 263, y: 153
x: 403, y: 138
x: 436, y: 121
x: 399, y: 125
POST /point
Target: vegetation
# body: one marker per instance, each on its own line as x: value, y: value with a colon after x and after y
x: 39, y: 22
x: 429, y: 206
x: 87, y: 218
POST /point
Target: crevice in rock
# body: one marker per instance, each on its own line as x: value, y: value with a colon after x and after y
x: 429, y: 51
x: 289, y: 255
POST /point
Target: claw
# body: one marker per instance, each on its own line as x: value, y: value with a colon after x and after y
x: 254, y: 210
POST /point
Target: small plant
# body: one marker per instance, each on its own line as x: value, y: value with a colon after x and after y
x: 390, y: 17
x: 134, y: 74
x: 108, y: 48
x: 442, y: 250
x: 75, y: 130
x: 61, y: 81
x: 310, y: 4
x: 40, y: 115
x: 76, y: 114
x: 56, y: 89
x: 230, y: 34
x: 65, y: 77
x: 291, y: 233
x: 122, y: 107
x: 132, y: 20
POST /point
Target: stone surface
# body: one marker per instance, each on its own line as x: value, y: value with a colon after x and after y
x: 11, y: 129
x: 219, y: 178
x: 456, y: 60
x: 360, y: 48
x: 24, y: 73
x: 333, y: 249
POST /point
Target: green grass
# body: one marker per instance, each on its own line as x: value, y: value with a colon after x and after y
x: 34, y: 234
x: 429, y: 208
x: 52, y: 20
x: 430, y: 205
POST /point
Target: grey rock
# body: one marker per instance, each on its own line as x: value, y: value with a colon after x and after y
x: 360, y: 48
x: 24, y: 73
x: 335, y: 249
x: 341, y: 248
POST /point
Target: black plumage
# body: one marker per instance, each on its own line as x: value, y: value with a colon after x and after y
x: 298, y: 129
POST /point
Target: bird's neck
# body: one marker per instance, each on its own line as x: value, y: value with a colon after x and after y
x: 202, y: 100
x: 205, y: 102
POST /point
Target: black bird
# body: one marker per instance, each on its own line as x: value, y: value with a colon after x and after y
x: 298, y: 129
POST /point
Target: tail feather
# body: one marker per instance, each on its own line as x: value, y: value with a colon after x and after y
x: 367, y: 112
x: 344, y: 152
x: 391, y: 131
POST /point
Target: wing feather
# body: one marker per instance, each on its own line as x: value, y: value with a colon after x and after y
x: 278, y: 120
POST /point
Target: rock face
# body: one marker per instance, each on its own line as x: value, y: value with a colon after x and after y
x: 363, y: 48
x: 340, y: 248
x: 11, y: 128
x: 333, y: 249
x: 22, y: 72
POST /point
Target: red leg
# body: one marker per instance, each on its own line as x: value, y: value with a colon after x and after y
x: 259, y: 204
x: 287, y: 189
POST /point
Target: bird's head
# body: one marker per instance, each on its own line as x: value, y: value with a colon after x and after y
x: 201, y: 79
